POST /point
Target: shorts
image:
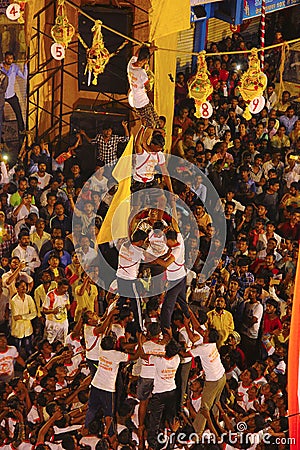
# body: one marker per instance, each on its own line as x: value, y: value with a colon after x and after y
x: 139, y: 185
x: 148, y: 115
x: 144, y: 388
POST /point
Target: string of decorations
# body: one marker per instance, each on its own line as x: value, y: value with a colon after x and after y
x: 62, y: 32
x: 97, y: 55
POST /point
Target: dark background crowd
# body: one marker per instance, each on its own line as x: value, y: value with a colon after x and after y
x: 56, y: 310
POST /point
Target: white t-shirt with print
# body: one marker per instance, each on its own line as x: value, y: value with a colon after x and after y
x: 137, y: 78
x: 157, y: 244
x: 7, y: 359
x: 145, y: 163
x: 165, y: 371
x: 129, y: 261
x: 176, y: 270
x: 105, y: 377
x: 210, y: 360
x: 92, y: 343
x: 150, y: 348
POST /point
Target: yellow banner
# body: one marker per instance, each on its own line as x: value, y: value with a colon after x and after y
x: 165, y: 64
x: 115, y: 224
x: 168, y: 17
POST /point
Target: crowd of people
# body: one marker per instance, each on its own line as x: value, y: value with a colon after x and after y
x: 163, y: 354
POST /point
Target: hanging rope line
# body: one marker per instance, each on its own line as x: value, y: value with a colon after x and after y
x: 128, y: 38
x: 135, y: 41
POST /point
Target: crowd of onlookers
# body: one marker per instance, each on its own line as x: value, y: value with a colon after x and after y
x: 59, y: 320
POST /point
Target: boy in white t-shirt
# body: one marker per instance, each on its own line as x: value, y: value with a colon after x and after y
x: 139, y: 85
x: 174, y: 263
x: 104, y: 382
x: 56, y: 307
x: 164, y: 395
x: 130, y: 256
x: 215, y: 378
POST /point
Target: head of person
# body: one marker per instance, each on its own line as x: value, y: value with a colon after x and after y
x: 271, y: 306
x: 172, y: 348
x: 254, y: 293
x: 59, y: 208
x: 243, y: 264
x: 220, y: 304
x: 171, y: 236
x: 62, y: 286
x: 234, y: 284
x: 3, y: 342
x: 153, y: 330
x: 24, y: 239
x: 54, y: 260
x: 107, y: 129
x: 138, y: 238
x: 46, y: 277
x: 51, y: 198
x: 274, y: 185
x: 109, y: 342
x: 56, y: 232
x: 40, y: 225
x: 58, y: 244
x: 9, y: 58
x: 183, y: 112
x: 290, y: 112
x: 21, y: 287
x: 85, y: 243
x: 157, y: 142
x: 22, y: 185
x: 143, y: 56
x: 211, y: 335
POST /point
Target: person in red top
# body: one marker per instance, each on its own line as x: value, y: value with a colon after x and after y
x: 291, y: 228
x: 181, y: 89
x: 183, y: 119
x: 256, y: 232
x: 271, y: 319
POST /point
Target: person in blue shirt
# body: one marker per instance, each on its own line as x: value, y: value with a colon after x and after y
x: 12, y: 71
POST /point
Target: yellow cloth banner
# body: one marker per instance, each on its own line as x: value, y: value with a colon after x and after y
x: 115, y: 224
x: 168, y: 17
x: 165, y: 64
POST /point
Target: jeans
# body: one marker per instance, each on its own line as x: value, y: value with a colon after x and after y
x: 164, y: 402
x: 15, y: 104
x: 127, y: 289
x: 176, y: 292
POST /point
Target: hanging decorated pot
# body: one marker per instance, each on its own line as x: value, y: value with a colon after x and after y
x: 253, y: 82
x: 199, y: 86
x: 97, y: 55
x: 62, y: 32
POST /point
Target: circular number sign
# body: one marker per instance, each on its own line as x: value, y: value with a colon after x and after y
x: 13, y: 11
x: 57, y: 51
x: 206, y: 110
x: 257, y: 104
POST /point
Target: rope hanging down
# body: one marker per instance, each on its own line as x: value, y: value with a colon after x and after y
x: 135, y: 41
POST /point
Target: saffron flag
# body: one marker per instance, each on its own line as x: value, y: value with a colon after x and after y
x: 115, y: 224
x: 165, y: 64
x: 294, y: 367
